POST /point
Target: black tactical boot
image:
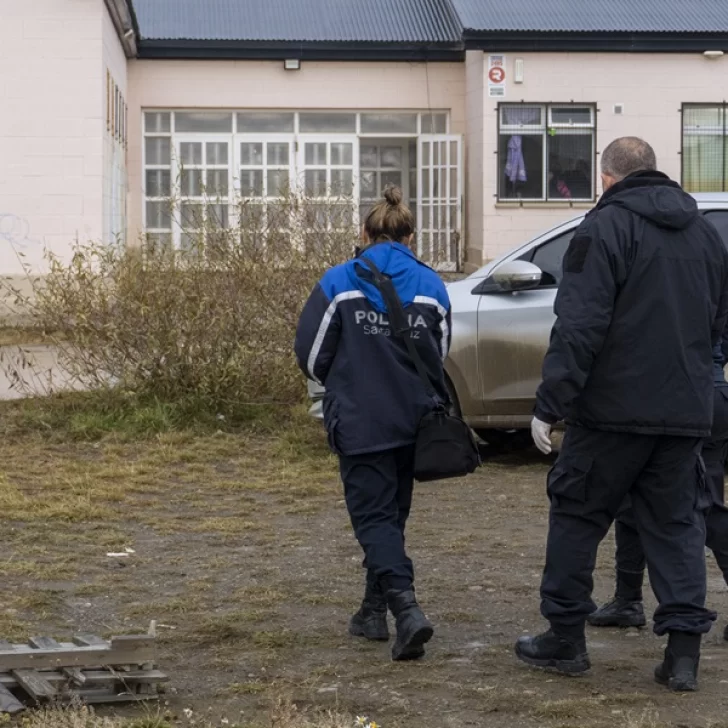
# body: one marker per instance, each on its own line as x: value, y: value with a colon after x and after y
x: 371, y: 619
x: 619, y: 613
x: 679, y: 670
x: 564, y: 653
x: 413, y: 628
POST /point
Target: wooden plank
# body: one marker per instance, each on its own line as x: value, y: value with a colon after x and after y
x: 94, y: 677
x: 35, y: 659
x: 132, y: 641
x: 9, y: 703
x: 44, y: 643
x: 88, y: 640
x: 75, y: 675
x: 123, y: 698
x: 5, y: 645
x: 34, y: 684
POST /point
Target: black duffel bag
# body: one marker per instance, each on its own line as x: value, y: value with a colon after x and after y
x: 445, y: 446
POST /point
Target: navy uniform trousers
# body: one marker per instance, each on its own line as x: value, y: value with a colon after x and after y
x: 587, y: 486
x: 630, y: 554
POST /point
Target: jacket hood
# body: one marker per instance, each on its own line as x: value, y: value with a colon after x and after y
x: 396, y: 261
x: 654, y: 196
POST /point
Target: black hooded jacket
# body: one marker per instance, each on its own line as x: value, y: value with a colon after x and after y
x: 642, y: 303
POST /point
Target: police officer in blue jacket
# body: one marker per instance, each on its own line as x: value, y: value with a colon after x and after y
x: 626, y: 609
x: 374, y: 403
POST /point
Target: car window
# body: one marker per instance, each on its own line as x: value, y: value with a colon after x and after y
x: 549, y: 257
x: 719, y: 218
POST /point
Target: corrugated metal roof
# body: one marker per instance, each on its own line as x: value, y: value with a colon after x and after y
x: 376, y: 21
x: 584, y: 16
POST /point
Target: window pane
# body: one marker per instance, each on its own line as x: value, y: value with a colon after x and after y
x: 570, y: 166
x: 159, y: 240
x: 316, y: 153
x: 156, y: 121
x: 327, y: 122
x: 709, y: 118
x: 265, y: 122
x: 368, y: 157
x: 217, y: 182
x: 392, y: 157
x: 157, y: 150
x: 157, y: 183
x: 316, y: 182
x: 192, y: 215
x: 368, y: 184
x: 251, y: 182
x: 342, y: 154
x: 190, y: 153
x: 159, y: 215
x: 341, y: 182
x: 571, y: 115
x: 278, y: 182
x: 217, y: 216
x: 391, y: 178
x: 521, y: 115
x: 217, y: 153
x: 251, y: 154
x: 550, y: 258
x: 520, y: 166
x: 278, y: 154
x: 190, y: 182
x: 389, y: 123
x: 434, y: 123
x: 704, y: 167
x: 199, y: 121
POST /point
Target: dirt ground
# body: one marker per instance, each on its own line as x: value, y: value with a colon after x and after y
x: 245, y: 557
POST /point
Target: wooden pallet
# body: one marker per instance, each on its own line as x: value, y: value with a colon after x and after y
x: 89, y: 669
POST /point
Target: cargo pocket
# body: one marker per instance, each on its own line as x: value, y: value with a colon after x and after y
x: 703, y: 498
x: 568, y: 481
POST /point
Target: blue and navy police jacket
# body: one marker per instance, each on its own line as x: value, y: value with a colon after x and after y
x: 374, y: 397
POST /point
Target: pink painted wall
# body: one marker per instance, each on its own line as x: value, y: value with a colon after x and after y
x: 51, y: 143
x: 651, y: 87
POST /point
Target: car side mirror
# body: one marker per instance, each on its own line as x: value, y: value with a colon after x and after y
x: 513, y: 276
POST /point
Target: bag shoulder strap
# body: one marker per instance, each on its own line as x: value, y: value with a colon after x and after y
x: 399, y: 321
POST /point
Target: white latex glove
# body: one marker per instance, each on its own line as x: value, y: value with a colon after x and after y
x: 541, y: 434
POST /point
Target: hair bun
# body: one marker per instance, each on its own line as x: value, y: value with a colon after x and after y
x: 393, y: 195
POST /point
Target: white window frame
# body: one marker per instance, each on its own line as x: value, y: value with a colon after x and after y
x: 542, y: 129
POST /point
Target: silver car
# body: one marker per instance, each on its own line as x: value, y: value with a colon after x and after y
x: 502, y: 318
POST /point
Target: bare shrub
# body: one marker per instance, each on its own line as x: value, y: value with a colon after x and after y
x: 210, y: 322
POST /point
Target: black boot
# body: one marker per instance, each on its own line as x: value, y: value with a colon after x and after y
x: 679, y: 670
x: 626, y: 609
x: 371, y: 619
x: 619, y: 613
x: 413, y: 628
x: 725, y: 633
x: 565, y: 653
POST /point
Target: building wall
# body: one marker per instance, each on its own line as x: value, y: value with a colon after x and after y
x: 114, y: 71
x: 651, y: 87
x: 474, y: 138
x: 266, y: 85
x: 50, y: 128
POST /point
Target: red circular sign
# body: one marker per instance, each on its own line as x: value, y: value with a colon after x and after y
x: 497, y: 74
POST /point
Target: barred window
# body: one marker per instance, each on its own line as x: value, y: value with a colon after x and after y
x: 705, y: 147
x: 546, y: 151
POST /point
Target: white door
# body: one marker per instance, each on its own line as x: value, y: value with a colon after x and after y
x: 202, y: 170
x: 327, y: 173
x: 439, y: 200
x: 384, y: 162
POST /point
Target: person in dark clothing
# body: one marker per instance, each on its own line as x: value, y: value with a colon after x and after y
x: 374, y: 403
x: 643, y: 300
x: 626, y: 609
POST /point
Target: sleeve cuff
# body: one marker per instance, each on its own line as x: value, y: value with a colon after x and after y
x: 546, y: 417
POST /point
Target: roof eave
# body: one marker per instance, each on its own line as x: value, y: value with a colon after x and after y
x: 586, y: 42
x: 125, y: 22
x: 181, y: 49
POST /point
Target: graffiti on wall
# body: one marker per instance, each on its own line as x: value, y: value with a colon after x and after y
x: 16, y: 231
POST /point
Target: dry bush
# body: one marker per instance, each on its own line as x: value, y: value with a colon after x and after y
x: 211, y: 323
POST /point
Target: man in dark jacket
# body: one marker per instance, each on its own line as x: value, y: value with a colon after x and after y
x: 643, y: 300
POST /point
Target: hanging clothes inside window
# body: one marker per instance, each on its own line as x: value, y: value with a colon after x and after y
x: 515, y: 164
